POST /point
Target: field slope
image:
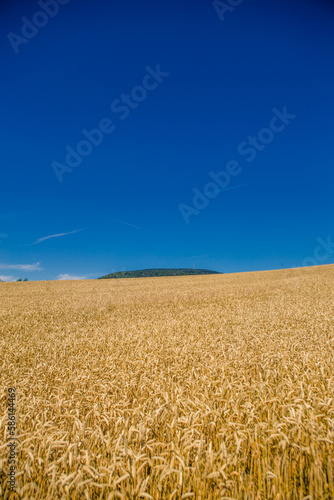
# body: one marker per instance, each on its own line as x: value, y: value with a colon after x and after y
x: 200, y: 387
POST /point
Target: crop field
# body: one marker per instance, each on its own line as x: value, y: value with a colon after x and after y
x: 199, y: 387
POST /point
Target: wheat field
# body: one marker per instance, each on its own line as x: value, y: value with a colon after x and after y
x: 201, y: 387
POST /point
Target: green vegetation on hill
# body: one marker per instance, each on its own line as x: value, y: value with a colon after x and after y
x: 149, y: 273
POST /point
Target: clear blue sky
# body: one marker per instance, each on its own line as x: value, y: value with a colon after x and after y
x: 212, y: 79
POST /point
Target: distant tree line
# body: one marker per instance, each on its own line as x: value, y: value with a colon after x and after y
x: 149, y: 273
x: 20, y: 279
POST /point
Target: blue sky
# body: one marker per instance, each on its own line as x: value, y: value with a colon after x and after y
x: 174, y: 91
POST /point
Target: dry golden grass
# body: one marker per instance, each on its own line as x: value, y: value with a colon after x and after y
x: 184, y: 387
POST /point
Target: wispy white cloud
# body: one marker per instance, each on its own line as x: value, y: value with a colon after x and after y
x: 54, y: 236
x: 65, y: 276
x: 22, y: 267
x: 121, y: 221
x: 6, y: 278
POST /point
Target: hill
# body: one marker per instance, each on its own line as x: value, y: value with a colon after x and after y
x: 149, y: 273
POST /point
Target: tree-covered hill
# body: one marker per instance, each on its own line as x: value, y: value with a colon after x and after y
x: 149, y: 273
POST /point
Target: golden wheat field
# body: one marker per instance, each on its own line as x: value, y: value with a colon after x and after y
x: 199, y: 387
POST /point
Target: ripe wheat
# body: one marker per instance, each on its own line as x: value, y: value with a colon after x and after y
x: 202, y: 387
